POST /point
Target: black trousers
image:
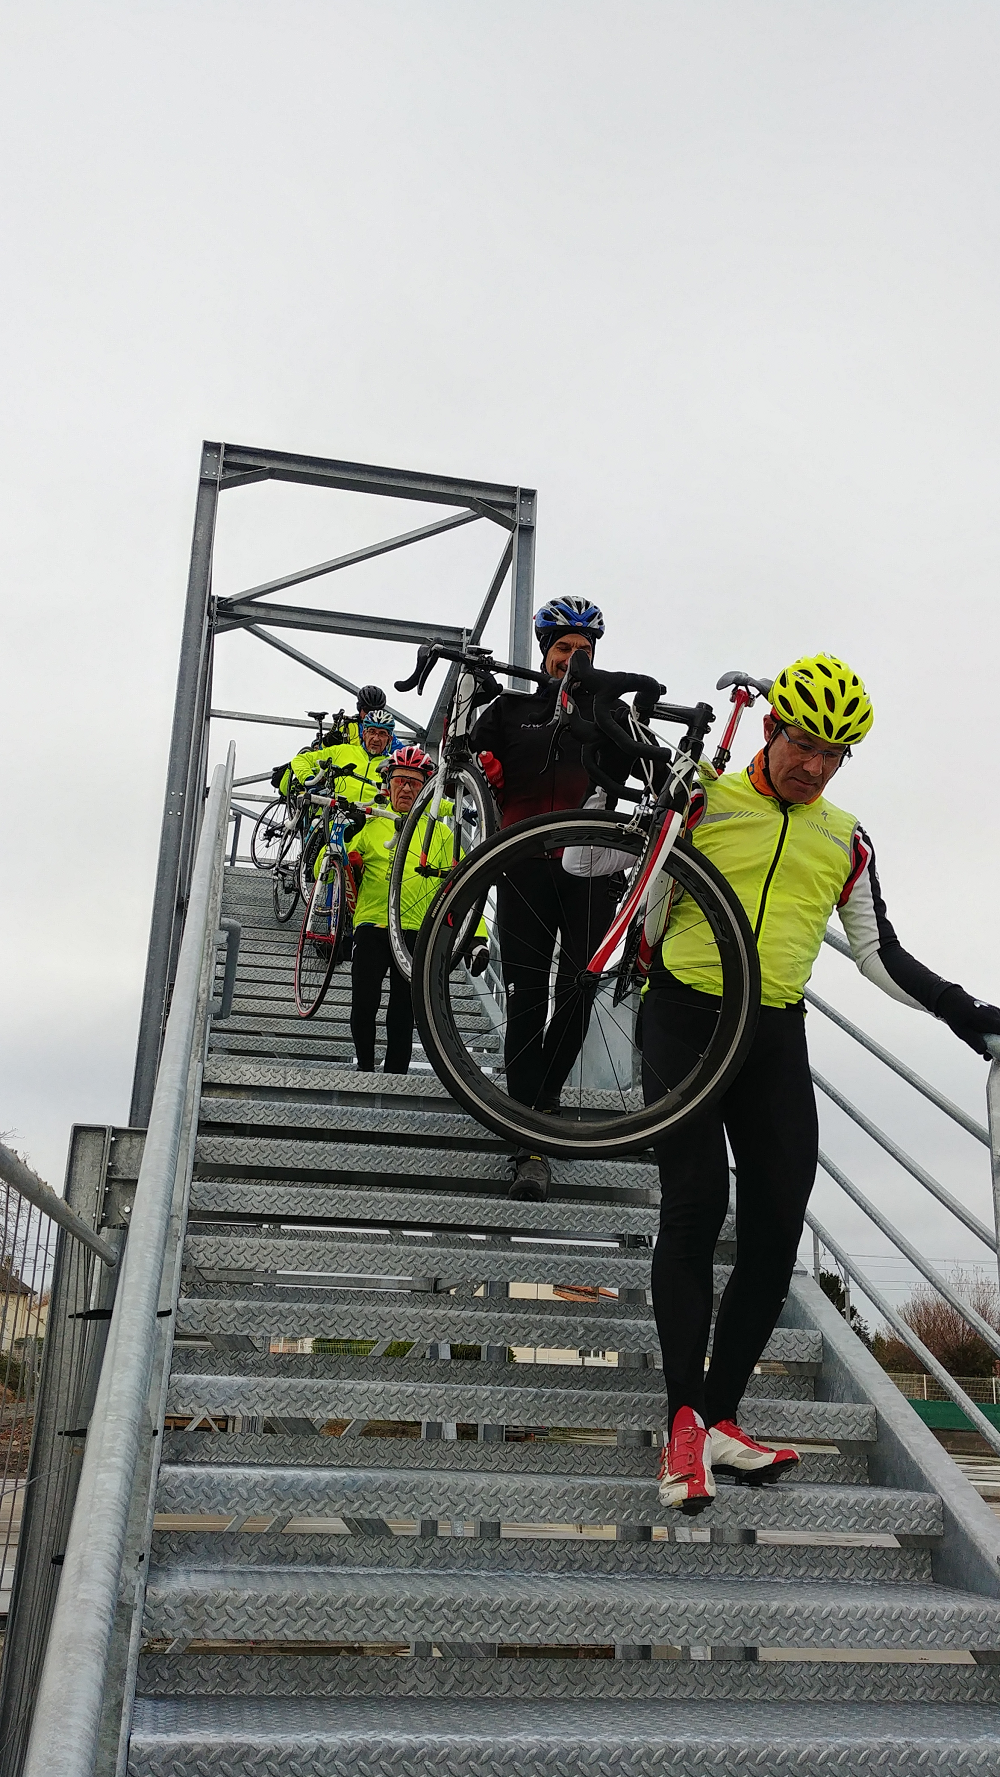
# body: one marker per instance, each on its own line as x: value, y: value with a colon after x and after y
x: 769, y: 1115
x: 371, y: 961
x: 538, y: 905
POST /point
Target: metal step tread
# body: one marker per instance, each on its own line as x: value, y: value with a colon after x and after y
x: 483, y: 1211
x: 313, y: 1076
x: 282, y: 1155
x: 338, y: 1118
x: 559, y: 1498
x: 521, y: 1457
x: 305, y: 1545
x: 475, y: 1321
x: 469, y: 1402
x: 326, y: 1603
x: 446, y: 1675
x: 459, y: 1259
x: 415, y: 1370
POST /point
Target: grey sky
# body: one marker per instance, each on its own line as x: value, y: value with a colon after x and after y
x: 720, y: 280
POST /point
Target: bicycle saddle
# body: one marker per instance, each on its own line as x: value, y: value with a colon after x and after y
x: 762, y: 686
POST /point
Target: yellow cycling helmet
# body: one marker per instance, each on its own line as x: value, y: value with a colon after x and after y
x: 824, y: 696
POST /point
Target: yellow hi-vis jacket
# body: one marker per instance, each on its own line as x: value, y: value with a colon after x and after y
x: 361, y: 787
x: 376, y: 844
x: 790, y: 864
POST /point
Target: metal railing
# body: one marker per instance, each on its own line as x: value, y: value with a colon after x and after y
x: 55, y: 1275
x: 78, y: 1708
x: 990, y: 1237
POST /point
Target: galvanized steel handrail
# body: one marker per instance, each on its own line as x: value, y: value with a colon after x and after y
x: 950, y: 1109
x: 906, y: 1247
x: 67, y: 1717
x: 34, y: 1190
x: 913, y: 1167
x: 976, y: 1418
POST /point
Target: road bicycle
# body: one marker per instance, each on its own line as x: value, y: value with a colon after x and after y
x: 455, y: 810
x: 272, y: 824
x: 635, y: 873
x: 330, y: 903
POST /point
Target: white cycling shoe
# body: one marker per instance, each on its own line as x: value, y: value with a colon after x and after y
x: 733, y: 1452
x: 685, y: 1475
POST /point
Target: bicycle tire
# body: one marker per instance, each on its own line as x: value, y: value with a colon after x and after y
x: 285, y: 877
x: 315, y: 841
x: 597, y: 1125
x: 267, y: 835
x: 318, y: 948
x: 475, y: 790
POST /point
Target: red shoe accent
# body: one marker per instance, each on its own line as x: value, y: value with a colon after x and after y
x: 733, y: 1452
x: 685, y: 1473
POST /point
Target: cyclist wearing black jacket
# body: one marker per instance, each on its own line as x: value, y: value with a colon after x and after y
x: 539, y: 903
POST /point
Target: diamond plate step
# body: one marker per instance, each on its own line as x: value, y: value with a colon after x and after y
x: 306, y: 1545
x: 789, y: 1681
x: 221, y: 1736
x: 319, y: 1076
x: 537, y: 1455
x: 622, y: 1408
x: 287, y: 1158
x: 337, y: 1119
x: 463, y: 1261
x: 322, y: 1603
x: 553, y: 1499
x: 481, y: 1036
x: 476, y: 1321
x: 377, y: 1201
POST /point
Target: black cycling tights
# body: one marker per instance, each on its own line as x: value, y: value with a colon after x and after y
x: 769, y: 1115
x: 538, y: 904
x: 371, y: 960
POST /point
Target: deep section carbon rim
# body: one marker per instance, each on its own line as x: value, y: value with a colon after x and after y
x: 595, y: 1106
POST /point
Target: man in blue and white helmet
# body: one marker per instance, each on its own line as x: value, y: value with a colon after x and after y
x: 540, y: 907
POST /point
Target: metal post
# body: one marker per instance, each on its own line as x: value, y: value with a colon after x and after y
x: 522, y: 591
x: 816, y: 1257
x: 993, y: 1118
x: 191, y: 688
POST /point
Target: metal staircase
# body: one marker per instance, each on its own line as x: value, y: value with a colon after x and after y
x: 406, y: 1551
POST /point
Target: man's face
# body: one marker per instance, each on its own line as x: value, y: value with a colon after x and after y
x: 375, y: 741
x: 403, y: 789
x: 561, y: 653
x: 800, y: 765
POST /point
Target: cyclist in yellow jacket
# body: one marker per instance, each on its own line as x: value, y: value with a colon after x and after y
x: 792, y: 857
x: 371, y: 856
x: 360, y: 760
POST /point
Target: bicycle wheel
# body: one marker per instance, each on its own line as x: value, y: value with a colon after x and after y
x: 581, y: 1052
x: 267, y: 835
x: 468, y: 818
x: 319, y: 938
x: 315, y: 841
x: 285, y: 877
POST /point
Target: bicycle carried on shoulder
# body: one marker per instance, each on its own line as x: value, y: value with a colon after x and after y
x: 637, y: 873
x: 455, y: 810
x: 329, y: 903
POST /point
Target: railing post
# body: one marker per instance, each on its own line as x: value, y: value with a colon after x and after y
x: 993, y: 1118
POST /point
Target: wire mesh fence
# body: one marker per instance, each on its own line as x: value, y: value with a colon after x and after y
x: 54, y: 1306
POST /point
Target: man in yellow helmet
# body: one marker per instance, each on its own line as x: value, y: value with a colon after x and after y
x: 792, y: 857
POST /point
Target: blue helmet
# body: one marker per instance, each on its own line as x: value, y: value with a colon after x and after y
x: 568, y: 616
x: 378, y: 719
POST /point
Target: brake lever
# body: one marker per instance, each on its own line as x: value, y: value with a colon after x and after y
x: 426, y: 657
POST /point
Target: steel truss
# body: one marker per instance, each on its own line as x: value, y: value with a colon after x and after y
x: 206, y: 618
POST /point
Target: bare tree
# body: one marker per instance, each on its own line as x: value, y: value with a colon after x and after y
x: 955, y: 1344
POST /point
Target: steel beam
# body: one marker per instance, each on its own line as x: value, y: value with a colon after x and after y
x: 342, y: 623
x: 184, y: 743
x: 494, y: 499
x: 348, y: 561
x: 523, y: 588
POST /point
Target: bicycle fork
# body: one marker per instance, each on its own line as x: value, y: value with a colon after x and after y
x: 652, y: 891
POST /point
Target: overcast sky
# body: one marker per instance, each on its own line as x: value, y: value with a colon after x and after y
x: 720, y: 280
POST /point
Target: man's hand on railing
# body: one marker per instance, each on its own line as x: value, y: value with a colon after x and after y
x: 974, y: 1021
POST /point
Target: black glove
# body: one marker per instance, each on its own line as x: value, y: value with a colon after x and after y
x: 477, y: 956
x: 970, y: 1019
x: 355, y: 822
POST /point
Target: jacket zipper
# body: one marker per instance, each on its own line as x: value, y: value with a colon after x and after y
x: 770, y: 874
